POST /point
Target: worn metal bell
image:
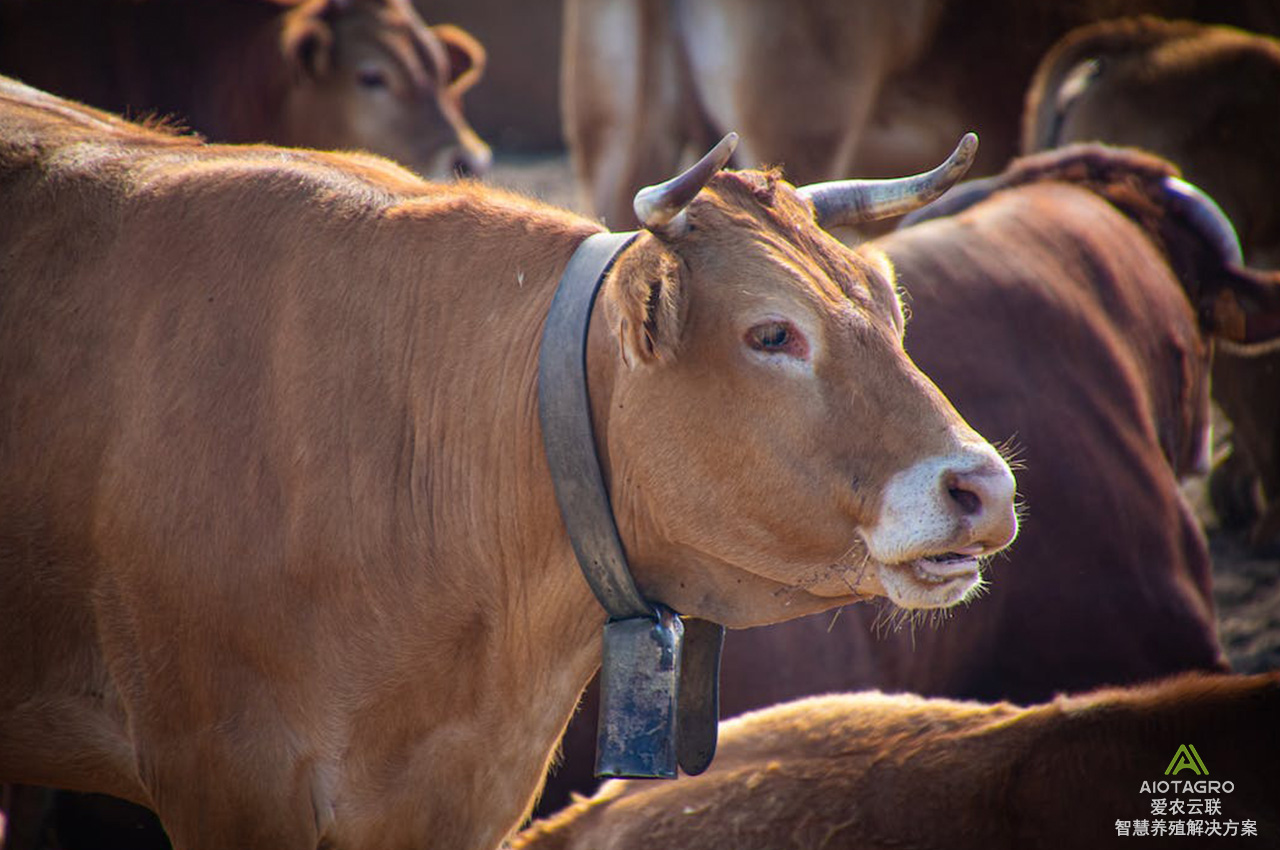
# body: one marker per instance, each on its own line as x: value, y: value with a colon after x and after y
x: 639, y: 684
x: 659, y: 704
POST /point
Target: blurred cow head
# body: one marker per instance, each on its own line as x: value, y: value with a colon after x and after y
x: 369, y: 74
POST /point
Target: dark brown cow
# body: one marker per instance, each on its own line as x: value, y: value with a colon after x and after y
x: 875, y: 772
x: 1204, y: 98
x: 1059, y: 313
x: 332, y: 74
x: 280, y: 554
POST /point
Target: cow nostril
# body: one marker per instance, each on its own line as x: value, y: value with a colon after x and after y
x: 970, y: 502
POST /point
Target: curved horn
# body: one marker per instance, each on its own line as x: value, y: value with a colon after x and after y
x: 1208, y: 218
x: 661, y: 208
x: 850, y: 202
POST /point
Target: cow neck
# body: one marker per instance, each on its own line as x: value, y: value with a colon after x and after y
x: 659, y: 703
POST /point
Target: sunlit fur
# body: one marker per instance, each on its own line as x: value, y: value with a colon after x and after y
x: 872, y: 770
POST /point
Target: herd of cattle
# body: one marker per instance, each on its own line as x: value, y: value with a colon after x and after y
x: 281, y: 560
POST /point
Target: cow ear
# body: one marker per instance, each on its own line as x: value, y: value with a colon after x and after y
x: 1245, y: 312
x: 644, y: 305
x: 307, y: 41
x: 466, y: 56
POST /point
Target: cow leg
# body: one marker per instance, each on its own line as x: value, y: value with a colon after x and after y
x: 1232, y: 492
x: 622, y: 102
x: 1264, y: 540
x: 235, y: 820
x: 798, y: 81
x: 1245, y: 388
x: 214, y: 791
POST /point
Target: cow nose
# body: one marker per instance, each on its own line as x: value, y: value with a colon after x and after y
x: 983, y: 496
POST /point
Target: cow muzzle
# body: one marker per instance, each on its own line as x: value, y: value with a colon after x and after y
x: 938, y: 520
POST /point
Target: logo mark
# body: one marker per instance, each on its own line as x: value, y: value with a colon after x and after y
x: 1186, y: 758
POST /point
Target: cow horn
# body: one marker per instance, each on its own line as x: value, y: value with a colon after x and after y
x: 661, y: 208
x: 1208, y: 218
x: 849, y: 202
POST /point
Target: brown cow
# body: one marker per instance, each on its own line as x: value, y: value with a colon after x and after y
x: 1060, y: 312
x: 824, y: 88
x: 875, y: 772
x: 1206, y: 99
x: 280, y: 556
x: 349, y: 74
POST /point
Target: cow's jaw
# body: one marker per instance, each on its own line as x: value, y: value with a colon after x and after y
x: 929, y: 542
x: 931, y: 583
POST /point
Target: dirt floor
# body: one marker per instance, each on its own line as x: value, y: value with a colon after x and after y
x: 1247, y: 589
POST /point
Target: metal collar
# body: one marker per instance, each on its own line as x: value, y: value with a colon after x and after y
x: 568, y: 436
x: 659, y: 702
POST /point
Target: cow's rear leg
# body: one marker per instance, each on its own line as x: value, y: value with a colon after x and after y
x: 623, y: 112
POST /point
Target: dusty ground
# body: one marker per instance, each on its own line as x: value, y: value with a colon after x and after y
x: 1247, y: 589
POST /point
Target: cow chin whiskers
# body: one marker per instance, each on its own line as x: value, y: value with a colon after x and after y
x: 892, y: 618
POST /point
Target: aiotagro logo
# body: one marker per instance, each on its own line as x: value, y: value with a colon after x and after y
x: 1186, y: 758
x: 1187, y: 807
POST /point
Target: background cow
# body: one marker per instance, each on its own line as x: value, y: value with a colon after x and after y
x: 333, y: 74
x: 874, y: 772
x: 823, y: 88
x: 1062, y: 312
x: 1205, y: 98
x: 280, y: 552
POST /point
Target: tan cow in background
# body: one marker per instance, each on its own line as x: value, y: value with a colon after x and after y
x: 875, y: 771
x: 280, y: 554
x: 1208, y: 99
x: 822, y: 88
x: 331, y: 74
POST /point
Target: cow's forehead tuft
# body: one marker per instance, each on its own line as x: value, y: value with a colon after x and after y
x: 762, y: 184
x: 774, y: 215
x: 763, y: 194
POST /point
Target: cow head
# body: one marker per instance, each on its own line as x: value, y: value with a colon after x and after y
x: 771, y: 449
x: 369, y: 74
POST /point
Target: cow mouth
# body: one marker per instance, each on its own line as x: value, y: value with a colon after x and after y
x: 933, y: 581
x: 947, y: 567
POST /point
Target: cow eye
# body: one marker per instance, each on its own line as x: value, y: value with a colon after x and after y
x: 777, y: 338
x: 371, y: 78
